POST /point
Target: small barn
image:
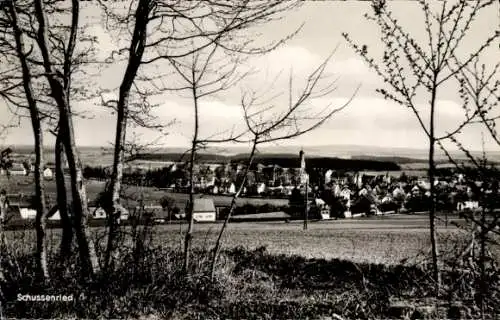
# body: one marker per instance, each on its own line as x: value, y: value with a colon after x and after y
x: 204, y: 210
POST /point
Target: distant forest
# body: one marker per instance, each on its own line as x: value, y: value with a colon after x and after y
x: 282, y: 160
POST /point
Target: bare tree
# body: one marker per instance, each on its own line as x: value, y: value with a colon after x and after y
x: 267, y: 124
x: 480, y: 90
x: 410, y: 71
x: 52, y: 62
x: 192, y: 26
x: 206, y: 72
x: 58, y: 81
x: 62, y: 200
x: 41, y: 216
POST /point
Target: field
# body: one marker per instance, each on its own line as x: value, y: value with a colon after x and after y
x: 267, y: 271
x: 386, y: 240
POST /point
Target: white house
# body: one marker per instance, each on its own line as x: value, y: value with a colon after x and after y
x: 47, y: 173
x: 215, y: 189
x: 336, y: 190
x: 387, y: 198
x: 204, y: 210
x: 27, y: 213
x: 99, y: 213
x: 467, y: 205
x: 261, y: 188
x: 363, y: 192
x: 328, y: 176
x: 346, y: 194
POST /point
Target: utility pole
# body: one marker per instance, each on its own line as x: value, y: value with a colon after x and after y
x: 304, y: 179
x: 306, y: 213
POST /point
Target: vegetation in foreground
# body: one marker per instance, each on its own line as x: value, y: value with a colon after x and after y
x: 148, y: 280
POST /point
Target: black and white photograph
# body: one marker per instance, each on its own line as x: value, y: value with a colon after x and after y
x: 249, y: 159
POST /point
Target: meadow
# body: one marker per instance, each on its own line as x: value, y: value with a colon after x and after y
x: 342, y: 269
x: 384, y: 240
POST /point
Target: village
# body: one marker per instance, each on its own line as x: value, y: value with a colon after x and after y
x: 331, y: 194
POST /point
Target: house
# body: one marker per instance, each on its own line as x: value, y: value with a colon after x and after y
x: 24, y: 204
x: 261, y: 188
x: 204, y: 210
x: 467, y: 205
x: 232, y: 189
x: 17, y: 170
x: 98, y: 212
x: 345, y: 193
x: 56, y: 216
x: 323, y: 209
x: 47, y: 173
x: 214, y: 189
x: 328, y: 176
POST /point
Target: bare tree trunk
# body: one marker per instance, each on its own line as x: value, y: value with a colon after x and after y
x: 86, y: 247
x: 190, y: 217
x: 88, y: 256
x: 432, y: 210
x: 218, y: 243
x: 41, y: 213
x: 113, y: 212
x: 62, y: 200
x: 136, y: 52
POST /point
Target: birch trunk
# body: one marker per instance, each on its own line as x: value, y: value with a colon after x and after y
x: 41, y: 212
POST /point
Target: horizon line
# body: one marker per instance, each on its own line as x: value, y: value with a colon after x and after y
x: 240, y: 146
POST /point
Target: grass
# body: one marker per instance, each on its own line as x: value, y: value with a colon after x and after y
x: 267, y: 271
x: 387, y: 241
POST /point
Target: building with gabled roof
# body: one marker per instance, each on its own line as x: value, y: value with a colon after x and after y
x: 204, y: 210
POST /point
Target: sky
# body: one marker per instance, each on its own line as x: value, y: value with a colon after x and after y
x: 367, y: 120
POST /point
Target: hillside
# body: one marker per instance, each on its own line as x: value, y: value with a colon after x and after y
x: 287, y: 160
x: 292, y: 161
